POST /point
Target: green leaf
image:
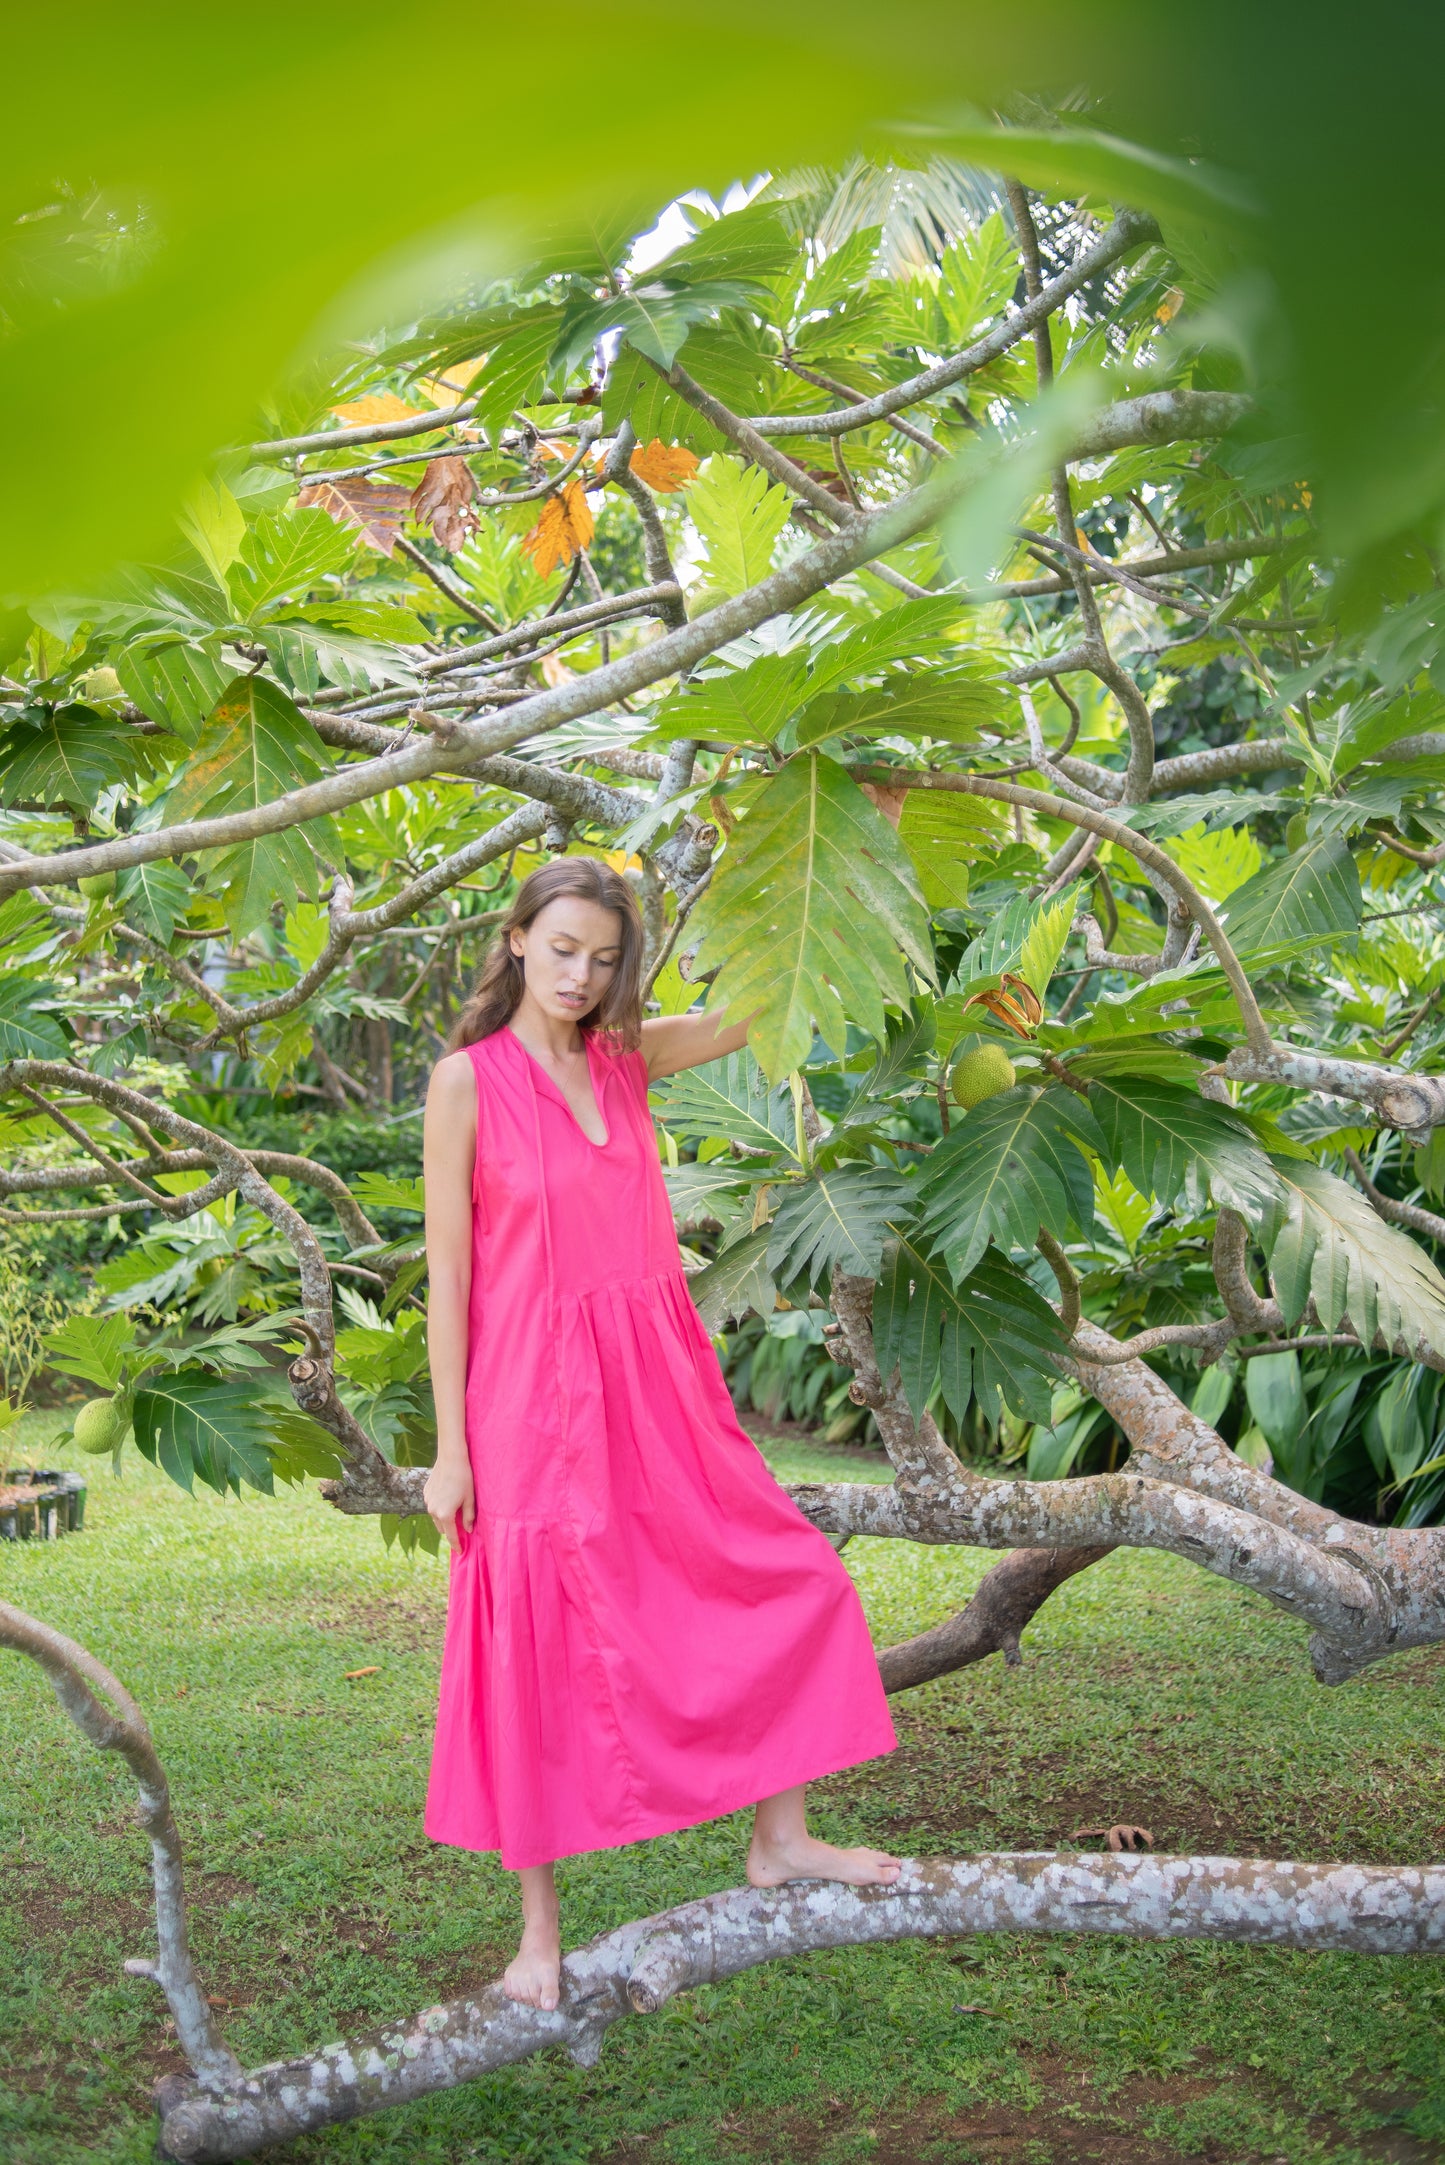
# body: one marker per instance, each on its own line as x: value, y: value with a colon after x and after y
x: 1006, y: 472
x: 1324, y: 1242
x: 727, y: 357
x: 739, y: 513
x: 194, y: 1425
x: 95, y: 1348
x: 301, y: 1449
x: 68, y: 758
x: 916, y: 631
x: 901, y: 1056
x: 1044, y: 940
x: 174, y: 682
x: 1026, y: 938
x: 255, y: 747
x: 288, y: 552
x: 991, y: 1336
x: 1012, y: 1165
x: 1162, y: 1136
x: 415, y: 1531
x: 811, y: 913
x: 943, y: 831
x: 157, y: 896
x: 730, y: 1098
x: 752, y: 243
x: 953, y: 706
x: 26, y: 1033
x: 1313, y: 894
x: 977, y: 278
x: 838, y: 1220
x: 1072, y: 161
x: 747, y: 706
x: 736, y: 1282
x: 839, y: 274
x: 654, y: 317
x: 215, y: 525
x: 377, y: 1191
x: 1273, y: 1386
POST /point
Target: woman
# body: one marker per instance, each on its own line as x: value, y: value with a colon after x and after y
x: 643, y: 1630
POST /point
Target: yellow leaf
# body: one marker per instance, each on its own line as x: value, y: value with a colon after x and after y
x: 452, y: 383
x: 664, y: 467
x: 566, y: 525
x: 380, y: 406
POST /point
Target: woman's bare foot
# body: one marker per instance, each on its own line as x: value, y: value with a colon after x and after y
x: 534, y: 1974
x: 802, y: 1856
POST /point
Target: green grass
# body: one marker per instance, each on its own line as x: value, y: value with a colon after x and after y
x: 1149, y: 1693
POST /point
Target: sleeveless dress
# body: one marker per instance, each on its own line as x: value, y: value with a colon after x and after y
x: 643, y: 1631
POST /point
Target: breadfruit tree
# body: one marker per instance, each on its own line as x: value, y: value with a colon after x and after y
x: 913, y: 578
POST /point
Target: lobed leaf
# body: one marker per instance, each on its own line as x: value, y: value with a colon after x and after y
x: 1325, y: 1243
x: 990, y: 1336
x: 1013, y: 1164
x: 838, y: 1220
x: 812, y: 915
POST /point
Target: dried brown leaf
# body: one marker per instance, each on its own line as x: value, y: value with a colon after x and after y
x: 443, y: 500
x: 377, y: 507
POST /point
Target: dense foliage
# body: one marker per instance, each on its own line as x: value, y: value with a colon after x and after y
x: 899, y: 575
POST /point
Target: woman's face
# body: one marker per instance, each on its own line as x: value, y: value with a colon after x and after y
x: 570, y: 953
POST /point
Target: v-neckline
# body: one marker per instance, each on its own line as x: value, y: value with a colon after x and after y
x: 561, y: 1093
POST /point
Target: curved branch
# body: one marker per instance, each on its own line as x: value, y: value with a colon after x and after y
x: 1148, y: 854
x: 1069, y: 1298
x: 83, y: 1687
x: 1129, y: 231
x: 1428, y: 1222
x: 1006, y: 1599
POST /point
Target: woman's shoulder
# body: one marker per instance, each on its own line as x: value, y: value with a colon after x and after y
x: 453, y: 1079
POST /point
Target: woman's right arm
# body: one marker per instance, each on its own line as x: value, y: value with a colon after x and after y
x: 449, y: 1150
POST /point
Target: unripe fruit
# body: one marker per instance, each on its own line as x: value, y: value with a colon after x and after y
x: 98, y: 886
x: 99, y: 1425
x: 1296, y: 834
x: 982, y: 1074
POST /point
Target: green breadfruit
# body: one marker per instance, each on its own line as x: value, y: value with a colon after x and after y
x: 1296, y: 833
x: 99, y: 1425
x: 982, y: 1074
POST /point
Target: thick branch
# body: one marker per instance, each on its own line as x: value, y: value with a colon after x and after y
x: 1412, y: 1103
x: 639, y: 1967
x: 1008, y: 1597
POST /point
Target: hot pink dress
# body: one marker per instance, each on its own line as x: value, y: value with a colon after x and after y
x: 643, y: 1630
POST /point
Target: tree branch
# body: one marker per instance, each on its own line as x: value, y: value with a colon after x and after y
x: 639, y: 1967
x: 1130, y: 230
x: 83, y: 1688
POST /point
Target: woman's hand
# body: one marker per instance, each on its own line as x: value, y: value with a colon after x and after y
x: 449, y: 1497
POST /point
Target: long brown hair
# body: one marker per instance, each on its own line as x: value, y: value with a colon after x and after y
x: 499, y: 988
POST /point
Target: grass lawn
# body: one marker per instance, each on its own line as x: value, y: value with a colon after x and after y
x: 1149, y: 1693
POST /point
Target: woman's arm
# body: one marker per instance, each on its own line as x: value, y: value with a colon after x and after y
x: 673, y: 1042
x: 449, y: 1149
